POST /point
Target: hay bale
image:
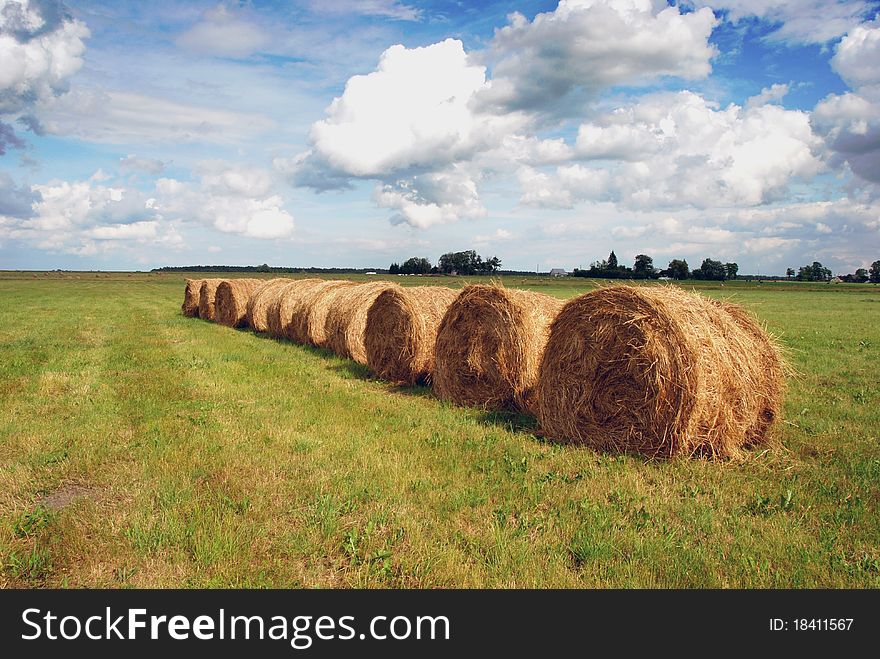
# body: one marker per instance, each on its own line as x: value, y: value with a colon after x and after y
x: 771, y: 367
x: 208, y: 298
x: 347, y: 319
x: 233, y: 296
x: 651, y: 370
x: 190, y: 306
x: 402, y: 329
x: 281, y: 308
x: 489, y: 346
x: 309, y: 314
x: 258, y: 304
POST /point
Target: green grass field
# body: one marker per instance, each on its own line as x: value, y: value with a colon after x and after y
x: 139, y: 448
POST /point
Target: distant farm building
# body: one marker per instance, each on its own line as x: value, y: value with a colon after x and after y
x: 558, y: 272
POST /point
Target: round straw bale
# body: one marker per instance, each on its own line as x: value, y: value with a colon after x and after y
x: 347, y: 319
x: 190, y: 306
x: 258, y: 304
x: 771, y: 369
x: 401, y: 331
x: 281, y: 307
x: 208, y: 298
x: 489, y: 346
x: 232, y: 300
x: 652, y: 370
x: 309, y: 314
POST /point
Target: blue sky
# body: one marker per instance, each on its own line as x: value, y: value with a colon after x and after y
x: 135, y: 135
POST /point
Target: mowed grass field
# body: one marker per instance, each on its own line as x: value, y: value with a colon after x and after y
x: 140, y: 448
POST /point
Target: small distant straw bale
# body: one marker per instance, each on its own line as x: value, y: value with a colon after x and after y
x: 258, y: 305
x: 285, y: 297
x: 347, y: 319
x: 489, y: 346
x: 233, y: 296
x: 190, y: 305
x: 309, y: 313
x: 208, y: 298
x: 402, y: 329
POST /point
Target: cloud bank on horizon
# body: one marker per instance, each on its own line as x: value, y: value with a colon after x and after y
x: 359, y: 133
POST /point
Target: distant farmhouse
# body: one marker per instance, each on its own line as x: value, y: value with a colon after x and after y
x: 558, y: 272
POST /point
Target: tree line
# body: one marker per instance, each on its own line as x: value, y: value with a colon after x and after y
x: 451, y: 263
x: 643, y: 268
x: 817, y: 272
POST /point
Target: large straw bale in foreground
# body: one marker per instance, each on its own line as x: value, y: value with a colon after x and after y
x: 489, y: 346
x: 208, y: 298
x: 233, y: 296
x: 347, y: 319
x: 190, y: 306
x: 653, y: 370
x: 309, y: 314
x: 283, y: 301
x: 402, y: 329
x: 260, y: 300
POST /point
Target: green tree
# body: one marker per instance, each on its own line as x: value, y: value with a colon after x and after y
x: 731, y: 269
x: 814, y: 272
x: 416, y: 266
x: 612, y: 260
x: 394, y: 269
x: 861, y: 276
x: 789, y: 272
x: 820, y: 272
x: 712, y: 270
x: 678, y: 269
x: 492, y: 265
x: 643, y: 268
x: 874, y: 272
x: 467, y: 263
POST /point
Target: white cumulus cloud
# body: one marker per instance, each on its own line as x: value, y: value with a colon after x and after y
x: 590, y: 45
x: 433, y: 198
x: 678, y: 150
x: 413, y: 111
x: 229, y: 198
x: 850, y: 122
x: 41, y: 47
x: 857, y: 58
